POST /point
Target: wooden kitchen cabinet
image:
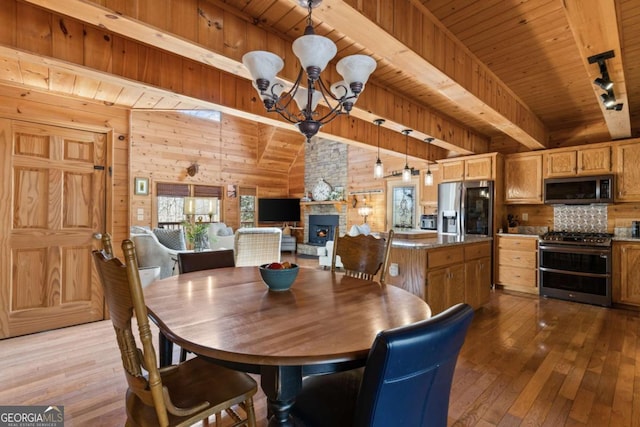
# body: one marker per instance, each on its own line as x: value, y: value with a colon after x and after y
x: 594, y: 161
x: 445, y: 287
x: 523, y: 178
x: 627, y: 168
x: 517, y: 263
x: 445, y: 277
x: 477, y: 274
x: 585, y: 161
x: 626, y: 273
x: 470, y: 168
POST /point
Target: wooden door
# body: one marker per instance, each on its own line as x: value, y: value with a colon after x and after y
x: 52, y: 204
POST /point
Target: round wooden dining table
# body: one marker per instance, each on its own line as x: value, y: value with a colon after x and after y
x: 325, y: 323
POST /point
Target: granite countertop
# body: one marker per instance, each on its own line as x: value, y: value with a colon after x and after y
x: 437, y: 240
x: 626, y: 239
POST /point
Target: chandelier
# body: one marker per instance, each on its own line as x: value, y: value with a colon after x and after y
x: 314, y: 53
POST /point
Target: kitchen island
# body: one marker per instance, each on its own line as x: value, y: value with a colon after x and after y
x: 442, y: 269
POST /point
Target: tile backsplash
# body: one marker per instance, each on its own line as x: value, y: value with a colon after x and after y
x: 584, y: 218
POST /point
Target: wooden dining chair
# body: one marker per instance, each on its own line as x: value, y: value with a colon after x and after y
x: 177, y: 395
x: 405, y: 382
x: 362, y: 256
x: 196, y: 261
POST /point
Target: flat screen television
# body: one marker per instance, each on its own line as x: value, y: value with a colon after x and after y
x: 278, y: 210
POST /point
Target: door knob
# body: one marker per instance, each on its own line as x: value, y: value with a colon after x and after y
x: 97, y: 236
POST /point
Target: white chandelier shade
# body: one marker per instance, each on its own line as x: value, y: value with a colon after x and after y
x: 262, y: 65
x: 356, y: 69
x: 302, y: 96
x: 314, y: 51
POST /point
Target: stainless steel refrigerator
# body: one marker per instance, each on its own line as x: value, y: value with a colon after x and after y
x: 465, y: 208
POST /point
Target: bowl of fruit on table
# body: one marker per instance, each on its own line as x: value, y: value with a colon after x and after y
x: 279, y: 276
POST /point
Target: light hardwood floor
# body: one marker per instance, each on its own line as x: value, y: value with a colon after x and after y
x: 526, y: 361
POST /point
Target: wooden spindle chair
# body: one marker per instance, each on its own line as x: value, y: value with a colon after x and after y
x: 176, y: 395
x: 362, y: 256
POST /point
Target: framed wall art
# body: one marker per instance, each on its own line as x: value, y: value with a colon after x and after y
x: 141, y: 186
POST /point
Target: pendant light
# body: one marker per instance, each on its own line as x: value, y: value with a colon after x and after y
x: 406, y: 172
x: 378, y: 170
x: 428, y: 177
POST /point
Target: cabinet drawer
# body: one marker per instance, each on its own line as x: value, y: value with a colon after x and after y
x: 520, y: 259
x: 476, y: 251
x: 508, y: 275
x: 525, y: 244
x: 446, y: 256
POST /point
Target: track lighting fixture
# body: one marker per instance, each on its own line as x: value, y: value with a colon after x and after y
x: 608, y: 99
x: 604, y: 82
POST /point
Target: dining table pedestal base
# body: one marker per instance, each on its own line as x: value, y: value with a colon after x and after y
x: 281, y: 385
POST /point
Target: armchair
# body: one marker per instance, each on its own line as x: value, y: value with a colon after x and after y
x: 153, y: 253
x: 255, y: 246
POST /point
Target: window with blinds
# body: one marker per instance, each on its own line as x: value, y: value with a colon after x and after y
x: 171, y: 201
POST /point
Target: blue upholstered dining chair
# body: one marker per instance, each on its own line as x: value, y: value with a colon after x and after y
x: 405, y: 382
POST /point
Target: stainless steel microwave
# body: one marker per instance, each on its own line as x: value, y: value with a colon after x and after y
x: 579, y: 190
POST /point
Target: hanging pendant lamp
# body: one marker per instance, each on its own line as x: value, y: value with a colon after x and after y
x: 406, y: 172
x: 428, y: 177
x: 378, y: 169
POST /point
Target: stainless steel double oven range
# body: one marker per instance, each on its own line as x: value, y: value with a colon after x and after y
x: 576, y: 267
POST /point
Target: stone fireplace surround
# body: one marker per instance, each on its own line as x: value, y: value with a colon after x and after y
x: 328, y: 160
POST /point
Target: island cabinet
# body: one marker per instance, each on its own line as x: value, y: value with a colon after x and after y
x: 627, y: 161
x: 517, y: 263
x: 523, y: 178
x: 445, y: 278
x: 444, y: 274
x: 626, y: 273
x: 584, y: 161
x: 477, y: 273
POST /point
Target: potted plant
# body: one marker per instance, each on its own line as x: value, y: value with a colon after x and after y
x: 196, y: 234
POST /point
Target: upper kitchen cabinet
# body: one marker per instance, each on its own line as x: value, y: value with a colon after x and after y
x: 627, y: 168
x: 585, y: 161
x: 470, y: 168
x: 523, y: 178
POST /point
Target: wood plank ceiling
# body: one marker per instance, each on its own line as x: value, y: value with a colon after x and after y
x: 491, y: 75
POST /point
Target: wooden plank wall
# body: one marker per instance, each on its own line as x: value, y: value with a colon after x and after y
x: 37, y: 107
x: 165, y: 144
x: 360, y: 178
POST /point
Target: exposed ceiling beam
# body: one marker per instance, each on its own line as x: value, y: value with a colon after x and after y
x: 595, y: 28
x: 467, y: 142
x: 517, y: 121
